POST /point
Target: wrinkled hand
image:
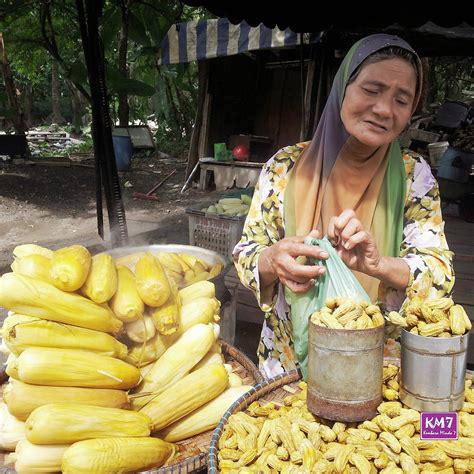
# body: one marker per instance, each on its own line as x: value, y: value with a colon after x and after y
x: 354, y: 244
x: 279, y: 261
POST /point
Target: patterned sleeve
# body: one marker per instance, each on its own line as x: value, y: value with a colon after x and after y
x: 264, y: 226
x: 424, y: 247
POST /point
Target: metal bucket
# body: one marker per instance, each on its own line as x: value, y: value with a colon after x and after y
x: 433, y: 371
x: 345, y: 370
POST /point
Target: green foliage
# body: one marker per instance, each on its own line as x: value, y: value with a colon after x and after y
x: 449, y: 77
x: 167, y: 95
x: 169, y: 141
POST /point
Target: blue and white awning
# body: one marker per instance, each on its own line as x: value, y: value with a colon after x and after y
x: 205, y: 39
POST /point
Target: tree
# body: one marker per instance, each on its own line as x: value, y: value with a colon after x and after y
x: 12, y: 93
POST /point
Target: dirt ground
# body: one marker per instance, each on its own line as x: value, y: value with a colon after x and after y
x: 53, y: 204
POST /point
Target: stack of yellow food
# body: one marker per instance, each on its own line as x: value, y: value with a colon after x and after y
x: 342, y: 313
x: 78, y: 329
x: 271, y: 438
x: 230, y: 207
x: 438, y: 317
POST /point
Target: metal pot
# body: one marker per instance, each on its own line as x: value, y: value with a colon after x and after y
x: 209, y: 256
x: 433, y: 371
x: 345, y: 371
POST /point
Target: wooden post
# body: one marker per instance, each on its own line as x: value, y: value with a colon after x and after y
x: 202, y: 111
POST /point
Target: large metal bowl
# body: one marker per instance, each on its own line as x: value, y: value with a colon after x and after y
x: 208, y: 256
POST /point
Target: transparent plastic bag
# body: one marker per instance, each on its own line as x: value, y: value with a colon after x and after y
x: 338, y: 280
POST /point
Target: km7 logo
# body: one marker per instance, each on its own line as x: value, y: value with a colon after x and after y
x: 439, y: 426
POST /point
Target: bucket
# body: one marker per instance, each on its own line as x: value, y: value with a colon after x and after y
x: 436, y: 151
x: 122, y: 151
x: 345, y: 371
x: 433, y: 371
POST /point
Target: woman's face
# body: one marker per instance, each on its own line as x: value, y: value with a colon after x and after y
x: 378, y: 104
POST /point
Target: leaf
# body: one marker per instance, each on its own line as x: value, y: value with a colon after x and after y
x: 120, y: 84
x: 111, y: 24
x: 77, y: 73
x: 137, y: 31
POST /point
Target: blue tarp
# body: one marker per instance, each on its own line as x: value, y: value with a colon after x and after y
x: 205, y: 39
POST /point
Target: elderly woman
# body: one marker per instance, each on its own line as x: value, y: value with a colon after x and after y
x: 379, y: 206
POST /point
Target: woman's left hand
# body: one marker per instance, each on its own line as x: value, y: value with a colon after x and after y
x: 354, y: 244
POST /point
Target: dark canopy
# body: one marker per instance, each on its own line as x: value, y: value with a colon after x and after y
x: 447, y: 29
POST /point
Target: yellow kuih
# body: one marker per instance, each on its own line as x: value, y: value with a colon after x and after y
x: 185, y: 396
x: 25, y: 295
x: 60, y: 423
x: 116, y: 455
x: 72, y: 368
x: 70, y: 267
x: 22, y: 398
x: 101, y: 282
x: 126, y: 303
x: 34, y: 266
x: 152, y: 283
x: 20, y: 332
x: 31, y: 458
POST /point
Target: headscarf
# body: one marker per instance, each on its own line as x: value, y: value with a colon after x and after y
x: 379, y: 184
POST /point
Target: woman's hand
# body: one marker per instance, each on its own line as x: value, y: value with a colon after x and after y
x: 279, y: 262
x: 354, y: 244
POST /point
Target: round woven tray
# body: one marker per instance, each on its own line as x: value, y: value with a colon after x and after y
x: 271, y: 390
x: 193, y: 452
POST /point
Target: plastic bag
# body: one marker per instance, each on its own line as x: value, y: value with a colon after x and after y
x: 338, y: 280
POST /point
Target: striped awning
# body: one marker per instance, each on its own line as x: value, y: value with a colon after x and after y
x: 205, y: 39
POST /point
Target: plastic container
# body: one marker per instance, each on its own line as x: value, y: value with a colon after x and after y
x: 436, y: 151
x: 345, y: 371
x: 221, y: 153
x: 433, y: 371
x: 456, y: 165
x: 123, y: 152
x: 214, y: 232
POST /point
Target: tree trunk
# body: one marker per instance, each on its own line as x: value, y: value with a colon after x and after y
x: 55, y: 95
x: 28, y: 105
x: 123, y: 108
x: 19, y: 123
x: 77, y: 108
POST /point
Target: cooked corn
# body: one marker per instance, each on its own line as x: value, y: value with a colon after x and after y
x: 32, y: 297
x: 70, y: 267
x: 62, y: 423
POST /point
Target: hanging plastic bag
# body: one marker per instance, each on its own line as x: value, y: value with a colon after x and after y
x: 338, y: 280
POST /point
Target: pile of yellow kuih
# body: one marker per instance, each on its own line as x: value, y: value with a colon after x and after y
x: 111, y: 362
x: 270, y: 438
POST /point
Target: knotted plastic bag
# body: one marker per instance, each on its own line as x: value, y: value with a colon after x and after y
x: 338, y: 280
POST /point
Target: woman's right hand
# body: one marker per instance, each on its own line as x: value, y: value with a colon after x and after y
x: 279, y: 262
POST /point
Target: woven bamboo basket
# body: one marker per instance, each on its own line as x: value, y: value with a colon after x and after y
x: 193, y: 451
x: 271, y: 390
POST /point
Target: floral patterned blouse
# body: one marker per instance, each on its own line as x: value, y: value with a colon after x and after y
x: 424, y: 248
